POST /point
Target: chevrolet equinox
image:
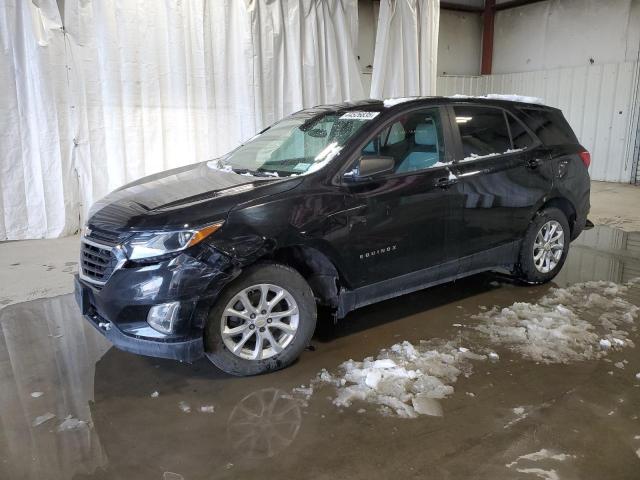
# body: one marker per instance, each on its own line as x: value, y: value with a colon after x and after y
x: 338, y: 206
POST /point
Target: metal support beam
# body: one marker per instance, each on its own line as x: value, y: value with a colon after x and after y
x: 488, y: 16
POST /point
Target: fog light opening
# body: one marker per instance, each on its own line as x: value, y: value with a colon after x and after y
x: 163, y: 317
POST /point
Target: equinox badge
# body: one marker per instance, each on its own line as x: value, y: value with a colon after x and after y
x: 379, y: 251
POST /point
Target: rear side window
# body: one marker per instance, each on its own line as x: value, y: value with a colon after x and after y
x: 519, y: 136
x: 549, y: 125
x: 483, y: 131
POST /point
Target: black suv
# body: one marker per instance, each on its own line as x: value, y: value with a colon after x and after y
x: 339, y: 206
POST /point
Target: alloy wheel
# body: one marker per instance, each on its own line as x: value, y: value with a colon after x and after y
x: 548, y: 246
x: 259, y: 322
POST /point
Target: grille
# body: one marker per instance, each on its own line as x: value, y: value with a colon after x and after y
x: 103, y: 236
x: 97, y: 262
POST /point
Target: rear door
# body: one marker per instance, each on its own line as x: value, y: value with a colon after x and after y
x: 571, y: 177
x: 503, y: 173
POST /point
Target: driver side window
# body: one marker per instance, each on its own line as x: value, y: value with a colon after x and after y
x: 415, y: 142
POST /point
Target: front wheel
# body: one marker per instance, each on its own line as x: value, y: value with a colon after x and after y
x: 544, y: 247
x: 261, y: 322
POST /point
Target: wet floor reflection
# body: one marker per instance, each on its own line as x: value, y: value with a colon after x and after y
x: 47, y: 350
x: 602, y: 253
x: 253, y: 428
x: 264, y: 423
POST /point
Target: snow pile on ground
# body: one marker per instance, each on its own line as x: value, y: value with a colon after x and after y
x: 39, y: 420
x: 580, y: 322
x: 71, y: 423
x: 406, y: 380
x: 301, y: 394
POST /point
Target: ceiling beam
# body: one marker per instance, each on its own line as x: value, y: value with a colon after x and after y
x: 515, y: 3
x: 456, y: 7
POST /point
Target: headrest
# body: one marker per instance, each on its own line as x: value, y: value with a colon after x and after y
x: 426, y: 134
x: 396, y: 134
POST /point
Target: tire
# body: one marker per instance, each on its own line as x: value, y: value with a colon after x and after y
x: 291, y: 333
x: 532, y: 268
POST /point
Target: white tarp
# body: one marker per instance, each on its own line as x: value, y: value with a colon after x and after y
x: 37, y: 182
x: 405, y: 57
x: 133, y: 88
x: 306, y: 54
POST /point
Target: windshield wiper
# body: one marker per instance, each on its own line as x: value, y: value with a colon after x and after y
x: 220, y: 164
x: 242, y: 171
x: 256, y: 173
x: 268, y: 173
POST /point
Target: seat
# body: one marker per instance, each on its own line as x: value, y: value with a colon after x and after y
x: 425, y: 152
x: 389, y: 137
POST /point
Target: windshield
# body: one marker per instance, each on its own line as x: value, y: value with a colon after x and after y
x: 301, y: 143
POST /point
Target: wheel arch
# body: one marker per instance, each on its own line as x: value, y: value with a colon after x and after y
x: 566, y: 207
x: 316, y: 268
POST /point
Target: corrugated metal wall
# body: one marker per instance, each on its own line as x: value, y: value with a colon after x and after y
x: 635, y: 175
x: 601, y: 103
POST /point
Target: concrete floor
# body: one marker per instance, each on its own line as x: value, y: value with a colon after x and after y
x: 509, y: 419
x: 615, y: 204
x: 33, y: 269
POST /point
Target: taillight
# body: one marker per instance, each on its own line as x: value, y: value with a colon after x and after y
x: 586, y: 158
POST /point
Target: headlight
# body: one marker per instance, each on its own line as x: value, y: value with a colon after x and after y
x: 154, y: 244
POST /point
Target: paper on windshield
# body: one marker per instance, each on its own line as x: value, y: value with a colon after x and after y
x: 359, y: 115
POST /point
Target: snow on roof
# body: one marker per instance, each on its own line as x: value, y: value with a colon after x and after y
x: 390, y: 102
x: 498, y: 96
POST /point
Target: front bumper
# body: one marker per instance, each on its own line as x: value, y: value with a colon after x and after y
x: 184, y: 351
x: 118, y: 309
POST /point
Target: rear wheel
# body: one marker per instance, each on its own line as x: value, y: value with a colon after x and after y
x: 544, y: 247
x: 262, y: 321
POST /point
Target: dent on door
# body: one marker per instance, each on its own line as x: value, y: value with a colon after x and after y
x: 501, y: 194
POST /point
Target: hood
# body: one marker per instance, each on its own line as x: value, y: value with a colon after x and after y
x: 192, y: 195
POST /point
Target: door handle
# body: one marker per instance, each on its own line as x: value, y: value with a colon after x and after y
x: 445, y: 182
x: 533, y: 163
x: 357, y: 220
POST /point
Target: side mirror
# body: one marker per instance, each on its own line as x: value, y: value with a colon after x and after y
x: 370, y: 166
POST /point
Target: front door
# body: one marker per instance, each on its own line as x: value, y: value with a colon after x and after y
x: 400, y: 222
